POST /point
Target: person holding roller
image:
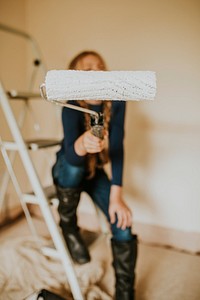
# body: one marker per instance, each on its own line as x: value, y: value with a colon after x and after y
x: 80, y: 167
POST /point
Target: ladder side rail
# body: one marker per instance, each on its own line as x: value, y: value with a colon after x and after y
x: 18, y: 190
x: 27, y: 36
x: 43, y: 202
x: 6, y: 178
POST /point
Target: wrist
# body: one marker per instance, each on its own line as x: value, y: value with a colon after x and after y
x: 115, y: 193
x: 79, y: 146
x: 82, y: 145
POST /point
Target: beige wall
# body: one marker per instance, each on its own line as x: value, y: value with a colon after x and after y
x: 17, y: 71
x: 13, y: 49
x: 13, y: 75
x: 162, y: 166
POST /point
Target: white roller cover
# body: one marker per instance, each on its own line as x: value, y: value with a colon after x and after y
x: 100, y: 85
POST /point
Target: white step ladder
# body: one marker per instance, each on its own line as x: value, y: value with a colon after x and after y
x: 39, y: 196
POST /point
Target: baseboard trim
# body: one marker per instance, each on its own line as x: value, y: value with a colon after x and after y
x: 168, y: 237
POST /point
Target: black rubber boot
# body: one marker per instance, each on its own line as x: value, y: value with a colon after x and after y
x: 124, y: 262
x: 68, y: 202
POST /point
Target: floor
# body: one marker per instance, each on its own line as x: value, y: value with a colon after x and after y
x: 162, y: 273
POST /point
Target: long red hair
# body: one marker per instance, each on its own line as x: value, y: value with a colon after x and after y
x: 97, y: 159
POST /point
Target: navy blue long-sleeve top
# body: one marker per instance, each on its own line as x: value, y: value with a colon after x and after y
x: 73, y: 127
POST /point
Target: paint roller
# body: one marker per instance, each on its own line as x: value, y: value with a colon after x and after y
x: 63, y: 85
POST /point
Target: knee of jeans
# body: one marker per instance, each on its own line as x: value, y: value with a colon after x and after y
x: 120, y: 234
x: 66, y: 175
x: 76, y: 174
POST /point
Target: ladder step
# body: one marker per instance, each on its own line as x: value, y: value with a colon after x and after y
x: 13, y: 94
x: 41, y: 143
x: 91, y: 238
x: 30, y: 198
x: 32, y: 144
x: 50, y: 193
x: 50, y: 252
x: 10, y: 145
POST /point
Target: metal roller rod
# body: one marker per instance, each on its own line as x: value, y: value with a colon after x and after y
x: 65, y: 104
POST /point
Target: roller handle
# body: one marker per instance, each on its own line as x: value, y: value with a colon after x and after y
x: 96, y: 123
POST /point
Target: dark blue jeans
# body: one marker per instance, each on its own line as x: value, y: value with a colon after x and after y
x: 98, y: 188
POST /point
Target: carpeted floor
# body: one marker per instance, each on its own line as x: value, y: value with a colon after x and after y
x: 162, y: 273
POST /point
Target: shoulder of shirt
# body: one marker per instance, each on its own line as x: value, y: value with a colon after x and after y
x: 69, y: 112
x: 117, y: 104
x: 71, y: 102
x: 74, y: 102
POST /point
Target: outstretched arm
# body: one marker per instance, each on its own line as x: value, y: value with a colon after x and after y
x: 117, y: 207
